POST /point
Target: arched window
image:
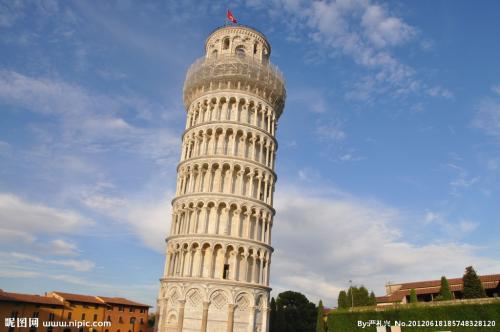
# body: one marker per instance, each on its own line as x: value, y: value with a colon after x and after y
x: 255, y: 48
x: 225, y: 43
x: 214, y: 53
x: 240, y: 50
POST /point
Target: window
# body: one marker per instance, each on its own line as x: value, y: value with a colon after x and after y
x: 225, y: 43
x: 120, y: 320
x: 240, y: 51
x: 142, y: 311
x: 121, y: 308
x: 69, y: 315
x: 225, y: 274
x: 214, y: 53
x: 51, y: 316
x: 95, y: 317
x: 83, y: 316
x: 36, y: 314
x: 132, y: 320
x: 85, y: 306
x: 255, y: 48
x: 131, y: 310
x: 142, y: 320
x: 109, y: 318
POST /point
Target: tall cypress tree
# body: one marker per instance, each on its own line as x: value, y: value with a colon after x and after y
x: 342, y: 301
x: 413, y: 296
x: 473, y: 288
x: 362, y: 297
x: 272, y: 315
x: 445, y: 291
x: 320, y: 322
x: 372, y: 300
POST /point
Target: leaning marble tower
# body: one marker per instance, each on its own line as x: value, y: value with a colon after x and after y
x: 216, y: 276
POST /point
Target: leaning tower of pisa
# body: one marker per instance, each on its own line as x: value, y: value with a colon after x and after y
x: 216, y: 276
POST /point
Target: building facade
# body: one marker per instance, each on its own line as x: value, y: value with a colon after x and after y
x: 112, y: 314
x: 427, y: 291
x: 216, y: 275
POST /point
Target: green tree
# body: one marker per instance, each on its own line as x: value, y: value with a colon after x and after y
x: 372, y: 300
x: 359, y: 295
x: 413, y: 296
x: 273, y: 315
x: 473, y: 288
x: 320, y: 321
x: 342, y: 301
x: 151, y: 319
x: 362, y: 297
x: 294, y: 313
x: 445, y: 291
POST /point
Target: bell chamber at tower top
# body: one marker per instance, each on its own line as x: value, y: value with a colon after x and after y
x: 237, y: 60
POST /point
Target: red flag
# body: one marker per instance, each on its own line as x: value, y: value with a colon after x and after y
x: 230, y: 16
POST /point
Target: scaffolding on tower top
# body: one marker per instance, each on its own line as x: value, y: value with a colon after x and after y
x: 233, y: 71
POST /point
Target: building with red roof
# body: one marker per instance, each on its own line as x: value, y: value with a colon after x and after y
x: 427, y: 290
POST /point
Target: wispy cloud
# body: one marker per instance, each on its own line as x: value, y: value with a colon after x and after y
x: 16, y: 258
x: 331, y: 131
x: 487, y: 117
x: 91, y: 121
x: 364, y: 31
x: 152, y: 212
x: 355, y: 239
x: 496, y: 89
x: 462, y: 179
x: 26, y: 220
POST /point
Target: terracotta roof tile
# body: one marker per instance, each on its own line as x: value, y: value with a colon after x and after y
x: 79, y: 298
x: 17, y: 297
x: 453, y: 281
x: 434, y: 286
x: 123, y: 301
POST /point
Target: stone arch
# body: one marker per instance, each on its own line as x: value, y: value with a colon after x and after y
x: 194, y: 297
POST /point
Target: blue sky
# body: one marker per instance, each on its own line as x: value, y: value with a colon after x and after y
x: 388, y: 158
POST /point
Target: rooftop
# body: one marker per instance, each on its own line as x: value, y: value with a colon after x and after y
x: 433, y: 286
x: 17, y: 297
x: 121, y: 300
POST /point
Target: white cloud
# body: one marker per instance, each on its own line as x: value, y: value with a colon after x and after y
x: 487, y: 117
x: 453, y: 230
x: 90, y: 121
x: 322, y: 241
x: 10, y: 12
x: 383, y: 30
x: 21, y: 218
x: 63, y: 248
x: 439, y: 91
x: 331, y: 131
x: 362, y: 30
x: 496, y: 89
x: 16, y: 259
x: 148, y: 217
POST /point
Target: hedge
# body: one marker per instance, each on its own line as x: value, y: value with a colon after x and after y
x: 346, y: 321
